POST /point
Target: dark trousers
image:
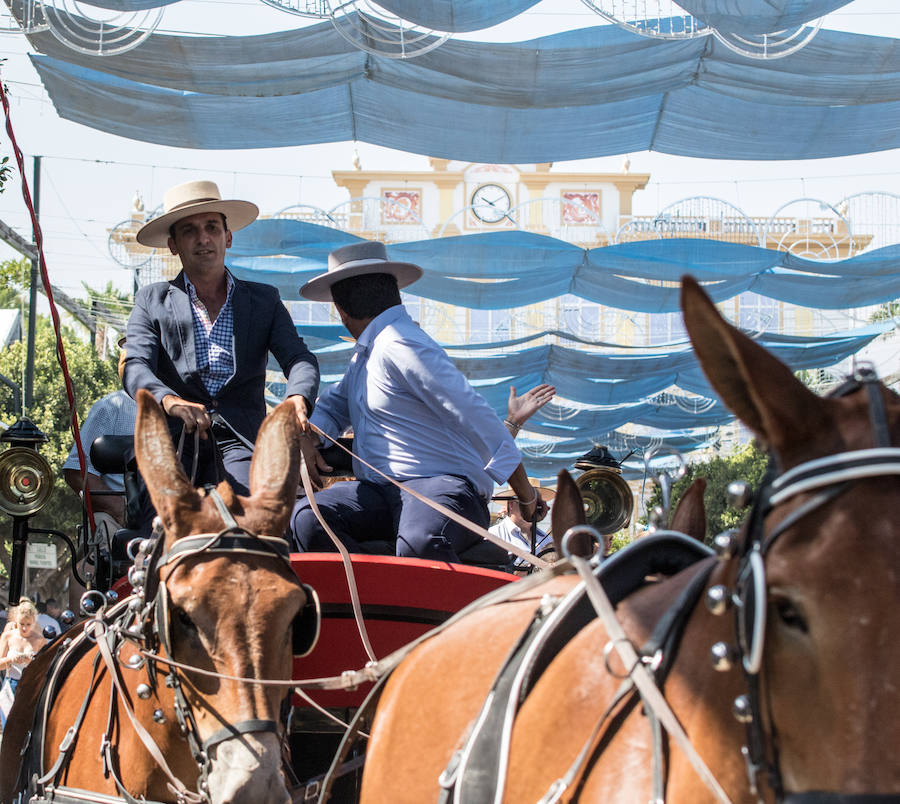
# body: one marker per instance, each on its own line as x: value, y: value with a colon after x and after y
x: 221, y: 457
x: 359, y: 511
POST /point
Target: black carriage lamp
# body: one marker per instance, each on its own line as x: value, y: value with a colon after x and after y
x: 26, y: 481
x: 608, y: 501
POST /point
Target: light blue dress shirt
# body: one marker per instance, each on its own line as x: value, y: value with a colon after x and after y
x: 412, y: 411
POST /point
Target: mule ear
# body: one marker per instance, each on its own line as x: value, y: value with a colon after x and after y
x: 568, y: 511
x: 689, y: 517
x: 275, y: 467
x: 755, y: 385
x: 167, y: 484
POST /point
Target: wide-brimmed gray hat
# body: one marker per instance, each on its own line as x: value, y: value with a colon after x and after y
x: 192, y: 198
x: 358, y: 259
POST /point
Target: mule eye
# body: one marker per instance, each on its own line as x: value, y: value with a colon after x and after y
x: 790, y: 615
x: 184, y: 619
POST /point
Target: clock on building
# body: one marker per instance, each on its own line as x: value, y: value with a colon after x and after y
x: 491, y: 203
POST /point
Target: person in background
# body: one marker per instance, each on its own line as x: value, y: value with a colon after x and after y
x: 516, y: 529
x: 19, y: 642
x: 415, y: 418
x: 56, y: 611
x: 113, y: 414
x: 200, y: 343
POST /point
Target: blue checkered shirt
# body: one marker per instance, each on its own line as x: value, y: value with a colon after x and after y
x: 214, y: 340
x: 113, y: 414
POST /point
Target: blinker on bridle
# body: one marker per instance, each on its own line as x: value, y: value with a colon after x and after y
x: 825, y: 478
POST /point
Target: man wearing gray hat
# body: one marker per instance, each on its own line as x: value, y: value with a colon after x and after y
x: 200, y: 343
x: 415, y: 418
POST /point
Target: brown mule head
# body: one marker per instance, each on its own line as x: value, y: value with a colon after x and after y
x: 830, y: 655
x: 832, y: 583
x: 230, y: 612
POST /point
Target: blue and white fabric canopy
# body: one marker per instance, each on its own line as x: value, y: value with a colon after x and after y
x: 757, y: 16
x: 584, y: 93
x: 615, y: 380
x: 524, y: 268
x: 746, y: 16
x: 606, y: 386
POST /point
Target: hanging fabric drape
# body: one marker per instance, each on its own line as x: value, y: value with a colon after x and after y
x: 524, y: 268
x: 584, y: 93
x: 758, y: 16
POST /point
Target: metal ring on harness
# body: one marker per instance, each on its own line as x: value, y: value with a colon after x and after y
x: 608, y: 648
x: 579, y: 530
x: 307, y: 625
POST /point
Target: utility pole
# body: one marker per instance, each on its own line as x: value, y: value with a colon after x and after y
x: 32, y: 295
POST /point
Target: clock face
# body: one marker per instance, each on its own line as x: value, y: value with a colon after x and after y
x: 491, y: 203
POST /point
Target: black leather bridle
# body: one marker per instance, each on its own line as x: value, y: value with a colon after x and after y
x: 824, y: 479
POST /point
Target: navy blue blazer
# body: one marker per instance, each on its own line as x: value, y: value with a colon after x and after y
x: 161, y: 355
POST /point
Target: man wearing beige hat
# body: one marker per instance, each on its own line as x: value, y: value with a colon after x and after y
x: 415, y: 418
x: 516, y: 529
x: 200, y: 342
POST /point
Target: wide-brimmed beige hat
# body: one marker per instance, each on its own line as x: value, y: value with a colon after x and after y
x: 544, y: 493
x: 192, y: 198
x: 358, y: 259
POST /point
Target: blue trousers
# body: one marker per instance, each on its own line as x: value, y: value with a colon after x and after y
x: 360, y: 510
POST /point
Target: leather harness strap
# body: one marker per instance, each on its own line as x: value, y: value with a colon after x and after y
x: 175, y: 784
x: 643, y: 679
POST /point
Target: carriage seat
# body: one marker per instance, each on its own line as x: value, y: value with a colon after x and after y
x: 481, y: 554
x: 114, y: 454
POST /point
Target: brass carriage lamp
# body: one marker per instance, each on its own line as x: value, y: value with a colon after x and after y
x: 608, y: 501
x: 26, y: 481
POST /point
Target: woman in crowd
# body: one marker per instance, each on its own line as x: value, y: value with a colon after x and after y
x: 19, y: 642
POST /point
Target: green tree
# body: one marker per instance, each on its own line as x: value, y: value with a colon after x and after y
x: 111, y: 299
x: 5, y: 172
x: 92, y: 377
x: 747, y: 463
x: 14, y: 275
x: 889, y: 311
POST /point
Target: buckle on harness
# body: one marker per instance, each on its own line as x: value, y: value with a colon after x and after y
x: 447, y: 779
x: 67, y: 739
x: 554, y: 792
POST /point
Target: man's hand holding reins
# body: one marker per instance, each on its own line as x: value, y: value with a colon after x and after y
x: 193, y: 414
x: 310, y: 446
x: 302, y: 410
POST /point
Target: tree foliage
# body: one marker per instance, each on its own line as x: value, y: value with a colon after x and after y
x: 748, y: 464
x: 112, y: 299
x: 889, y: 311
x: 92, y: 377
x: 5, y: 172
